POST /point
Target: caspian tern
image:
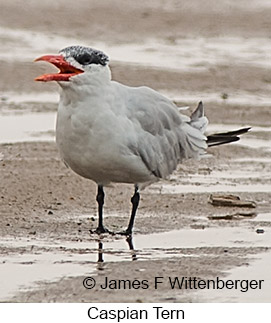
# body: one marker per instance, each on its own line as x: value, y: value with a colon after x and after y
x: 109, y: 132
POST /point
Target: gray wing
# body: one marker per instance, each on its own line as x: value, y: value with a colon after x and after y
x: 164, y: 135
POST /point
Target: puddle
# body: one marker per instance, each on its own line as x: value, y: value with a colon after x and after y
x: 10, y: 97
x: 27, y: 127
x: 51, y: 265
x: 262, y: 217
x: 41, y: 261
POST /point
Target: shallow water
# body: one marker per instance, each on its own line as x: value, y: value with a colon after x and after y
x: 11, y: 97
x: 49, y: 261
x: 27, y: 127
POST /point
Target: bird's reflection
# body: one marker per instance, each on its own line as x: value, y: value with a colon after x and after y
x: 100, y: 252
x: 129, y: 240
x: 100, y: 261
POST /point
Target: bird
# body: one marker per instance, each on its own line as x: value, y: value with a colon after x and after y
x: 109, y: 132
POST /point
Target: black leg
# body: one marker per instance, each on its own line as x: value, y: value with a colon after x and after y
x: 135, y: 201
x: 100, y: 200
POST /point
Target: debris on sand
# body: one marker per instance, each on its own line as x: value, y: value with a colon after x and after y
x: 230, y: 200
x: 235, y: 216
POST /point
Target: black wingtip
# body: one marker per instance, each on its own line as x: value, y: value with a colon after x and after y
x: 225, y: 137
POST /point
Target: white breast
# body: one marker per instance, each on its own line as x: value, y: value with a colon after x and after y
x: 94, y: 140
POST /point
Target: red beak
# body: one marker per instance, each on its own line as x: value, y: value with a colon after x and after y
x: 66, y: 69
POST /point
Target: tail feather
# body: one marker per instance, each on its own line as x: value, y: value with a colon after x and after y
x: 193, y: 139
x: 198, y: 120
x: 225, y: 137
x: 195, y: 133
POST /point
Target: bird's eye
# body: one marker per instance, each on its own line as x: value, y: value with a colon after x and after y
x: 84, y: 59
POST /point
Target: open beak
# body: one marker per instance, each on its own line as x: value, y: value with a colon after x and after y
x: 66, y: 70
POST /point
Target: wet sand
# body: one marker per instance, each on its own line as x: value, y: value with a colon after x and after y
x: 47, y: 210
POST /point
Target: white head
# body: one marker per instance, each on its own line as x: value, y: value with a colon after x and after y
x: 78, y: 65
